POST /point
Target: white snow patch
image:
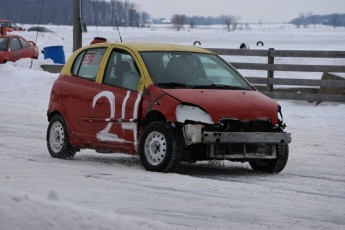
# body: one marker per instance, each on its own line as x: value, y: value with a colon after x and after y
x: 97, y: 191
x: 22, y: 211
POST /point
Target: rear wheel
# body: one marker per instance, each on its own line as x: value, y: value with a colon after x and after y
x: 57, y: 139
x: 273, y: 166
x: 160, y: 148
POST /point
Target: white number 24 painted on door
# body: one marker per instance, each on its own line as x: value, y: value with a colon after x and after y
x: 131, y: 124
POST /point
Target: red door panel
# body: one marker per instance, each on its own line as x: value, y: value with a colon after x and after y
x: 77, y: 95
x: 115, y: 112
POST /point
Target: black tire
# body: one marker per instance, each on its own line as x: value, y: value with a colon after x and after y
x: 160, y: 148
x: 260, y: 43
x: 273, y: 166
x: 57, y: 139
x: 243, y: 46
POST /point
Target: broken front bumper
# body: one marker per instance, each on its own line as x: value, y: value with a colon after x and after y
x: 235, y: 145
x: 194, y: 134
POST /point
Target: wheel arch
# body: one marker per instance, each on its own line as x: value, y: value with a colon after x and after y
x: 152, y: 116
x: 50, y: 115
x: 71, y: 137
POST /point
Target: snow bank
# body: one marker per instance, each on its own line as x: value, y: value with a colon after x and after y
x: 21, y: 211
x: 25, y: 88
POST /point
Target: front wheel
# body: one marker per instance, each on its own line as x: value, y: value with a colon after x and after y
x: 273, y: 166
x: 160, y: 149
x: 57, y: 139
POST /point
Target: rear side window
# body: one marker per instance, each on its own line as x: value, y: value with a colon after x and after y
x: 15, y: 44
x: 87, y: 64
x: 3, y: 44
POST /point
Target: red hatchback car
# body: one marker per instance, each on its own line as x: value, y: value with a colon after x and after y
x: 9, y: 25
x: 167, y: 103
x: 14, y: 47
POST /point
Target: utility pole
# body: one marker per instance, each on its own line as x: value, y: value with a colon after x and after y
x: 77, y: 30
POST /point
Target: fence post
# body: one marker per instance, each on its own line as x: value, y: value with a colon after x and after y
x: 270, y: 73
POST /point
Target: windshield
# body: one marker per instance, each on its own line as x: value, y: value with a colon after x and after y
x: 195, y: 70
x: 3, y: 44
x: 13, y: 25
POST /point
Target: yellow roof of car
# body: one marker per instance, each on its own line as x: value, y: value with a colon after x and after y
x: 145, y: 46
x: 134, y: 47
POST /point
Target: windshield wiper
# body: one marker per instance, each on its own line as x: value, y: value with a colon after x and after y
x: 221, y: 86
x: 212, y: 86
x: 173, y: 85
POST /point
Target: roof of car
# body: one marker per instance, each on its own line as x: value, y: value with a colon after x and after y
x: 9, y: 36
x: 147, y: 46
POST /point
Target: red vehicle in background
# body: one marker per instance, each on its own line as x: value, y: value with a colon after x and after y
x: 9, y: 25
x: 14, y: 47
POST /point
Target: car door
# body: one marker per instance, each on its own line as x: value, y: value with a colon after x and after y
x: 116, y: 104
x: 27, y: 50
x: 78, y: 92
x: 15, y: 49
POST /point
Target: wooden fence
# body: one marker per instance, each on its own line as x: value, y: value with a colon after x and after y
x: 330, y: 87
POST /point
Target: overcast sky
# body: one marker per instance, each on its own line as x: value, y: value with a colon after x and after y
x: 248, y: 10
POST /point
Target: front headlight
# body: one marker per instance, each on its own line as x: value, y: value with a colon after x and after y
x: 192, y: 113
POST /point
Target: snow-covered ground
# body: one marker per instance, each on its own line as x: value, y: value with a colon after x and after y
x: 97, y: 191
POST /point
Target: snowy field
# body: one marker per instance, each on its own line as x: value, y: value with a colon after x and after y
x: 96, y: 191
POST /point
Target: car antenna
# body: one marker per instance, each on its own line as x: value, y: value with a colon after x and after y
x: 117, y: 26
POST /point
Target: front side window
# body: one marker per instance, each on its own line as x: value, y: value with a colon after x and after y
x: 194, y: 70
x: 24, y: 43
x: 87, y: 64
x: 121, y: 71
x: 15, y: 44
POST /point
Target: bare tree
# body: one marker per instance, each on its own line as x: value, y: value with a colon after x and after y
x: 231, y: 21
x: 312, y: 19
x: 303, y: 17
x: 178, y: 21
x: 334, y: 20
x: 145, y: 17
x: 299, y: 21
x: 191, y: 23
x: 228, y: 21
x: 235, y: 21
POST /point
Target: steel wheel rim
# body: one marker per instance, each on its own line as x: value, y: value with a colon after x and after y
x: 56, y: 137
x: 155, y: 148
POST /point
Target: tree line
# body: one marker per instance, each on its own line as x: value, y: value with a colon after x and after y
x: 307, y: 19
x: 102, y: 13
x: 231, y: 21
x: 59, y: 12
x: 98, y: 12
